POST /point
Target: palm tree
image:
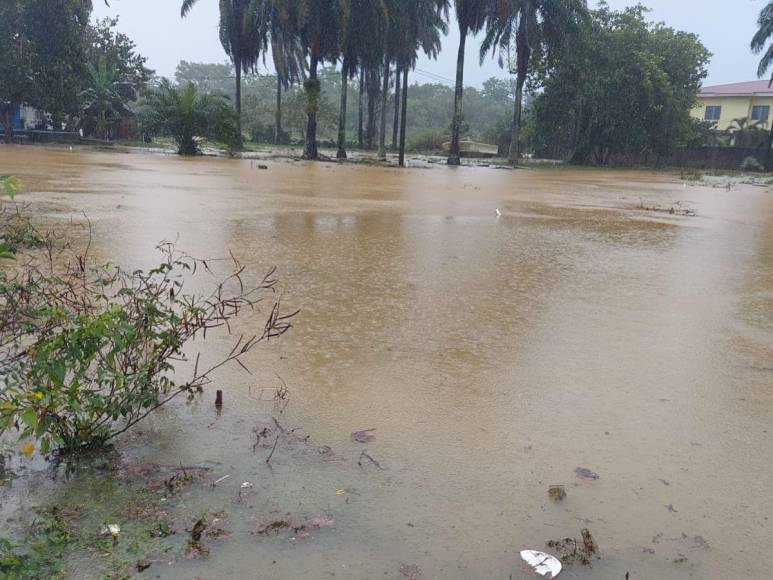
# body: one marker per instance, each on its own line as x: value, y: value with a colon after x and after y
x: 396, y: 117
x: 363, y: 38
x: 239, y: 37
x: 187, y: 115
x: 527, y: 26
x: 105, y: 100
x: 418, y: 28
x: 745, y: 132
x: 759, y: 42
x: 392, y: 23
x: 277, y: 28
x: 470, y: 16
x: 320, y: 24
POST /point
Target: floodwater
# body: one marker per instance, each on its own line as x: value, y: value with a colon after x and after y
x: 493, y: 356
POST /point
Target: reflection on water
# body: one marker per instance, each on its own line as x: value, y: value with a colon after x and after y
x: 492, y: 355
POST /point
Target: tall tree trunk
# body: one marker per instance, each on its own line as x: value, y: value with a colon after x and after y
x: 312, y: 104
x: 403, y: 117
x: 384, y: 95
x: 396, y: 124
x: 769, y: 152
x: 341, y: 154
x: 523, y: 55
x: 515, y: 150
x: 8, y: 123
x: 238, y: 66
x: 361, y: 117
x: 373, y: 89
x: 454, y: 155
x: 278, y: 122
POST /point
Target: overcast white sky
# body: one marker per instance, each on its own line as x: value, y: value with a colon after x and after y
x: 161, y: 35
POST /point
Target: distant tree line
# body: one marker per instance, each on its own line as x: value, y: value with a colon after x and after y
x: 487, y: 114
x: 587, y: 85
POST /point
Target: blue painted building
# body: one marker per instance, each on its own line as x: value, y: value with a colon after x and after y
x: 17, y: 123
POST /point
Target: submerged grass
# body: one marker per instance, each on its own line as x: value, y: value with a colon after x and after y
x: 69, y: 535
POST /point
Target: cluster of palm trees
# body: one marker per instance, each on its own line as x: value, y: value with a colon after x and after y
x: 381, y: 40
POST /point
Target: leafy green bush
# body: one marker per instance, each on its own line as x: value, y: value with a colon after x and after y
x: 17, y: 230
x: 428, y: 141
x: 9, y: 186
x: 266, y: 133
x: 751, y: 164
x: 89, y: 350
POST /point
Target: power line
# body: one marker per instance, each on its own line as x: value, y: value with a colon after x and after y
x: 435, y: 75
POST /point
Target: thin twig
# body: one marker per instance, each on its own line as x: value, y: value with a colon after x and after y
x: 270, y: 455
x: 365, y: 454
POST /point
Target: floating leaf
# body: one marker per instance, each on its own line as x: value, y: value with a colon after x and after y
x: 586, y: 473
x: 365, y: 436
x: 28, y: 449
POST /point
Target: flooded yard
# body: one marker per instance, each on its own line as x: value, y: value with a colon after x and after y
x: 500, y: 332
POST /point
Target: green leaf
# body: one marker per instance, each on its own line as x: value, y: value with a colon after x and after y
x: 6, y: 253
x: 10, y: 185
x: 30, y: 418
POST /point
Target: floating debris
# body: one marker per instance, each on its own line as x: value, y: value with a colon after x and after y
x: 365, y: 436
x: 274, y: 527
x: 591, y: 547
x: 557, y: 493
x: 586, y: 473
x: 199, y: 528
x: 247, y: 485
x: 672, y: 509
x: 143, y: 565
x: 541, y: 563
x: 322, y: 521
x: 113, y: 530
x: 410, y: 571
x: 214, y: 483
x: 366, y: 455
x: 301, y: 529
x: 570, y: 551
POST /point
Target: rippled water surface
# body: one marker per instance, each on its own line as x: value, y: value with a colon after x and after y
x: 492, y: 354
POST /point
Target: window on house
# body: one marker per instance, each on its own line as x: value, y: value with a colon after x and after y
x: 713, y: 113
x: 760, y: 113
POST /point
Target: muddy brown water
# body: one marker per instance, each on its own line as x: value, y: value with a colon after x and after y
x: 493, y: 356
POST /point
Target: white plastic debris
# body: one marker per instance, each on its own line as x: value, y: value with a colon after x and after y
x: 111, y: 530
x: 247, y: 485
x: 214, y: 483
x: 543, y: 564
x: 499, y: 213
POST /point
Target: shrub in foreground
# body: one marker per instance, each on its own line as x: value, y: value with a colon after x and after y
x: 88, y: 350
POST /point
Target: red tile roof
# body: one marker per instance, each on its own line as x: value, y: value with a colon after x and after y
x: 739, y: 89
